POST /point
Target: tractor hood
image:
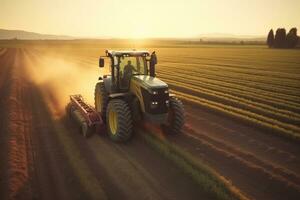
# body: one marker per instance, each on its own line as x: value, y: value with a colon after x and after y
x: 149, y: 82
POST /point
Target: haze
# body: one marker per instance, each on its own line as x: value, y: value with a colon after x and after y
x: 155, y: 18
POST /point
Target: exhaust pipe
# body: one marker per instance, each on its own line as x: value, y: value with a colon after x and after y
x: 153, y: 62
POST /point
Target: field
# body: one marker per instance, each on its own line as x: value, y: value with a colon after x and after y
x: 240, y: 140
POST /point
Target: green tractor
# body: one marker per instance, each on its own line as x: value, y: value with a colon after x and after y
x: 132, y: 93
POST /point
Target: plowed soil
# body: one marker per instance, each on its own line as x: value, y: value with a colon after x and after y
x: 262, y: 165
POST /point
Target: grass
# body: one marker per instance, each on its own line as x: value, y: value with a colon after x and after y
x: 208, y: 180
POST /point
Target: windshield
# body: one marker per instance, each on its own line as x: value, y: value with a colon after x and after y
x: 133, y: 65
x: 129, y: 66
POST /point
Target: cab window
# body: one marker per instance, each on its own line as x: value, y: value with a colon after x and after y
x: 131, y: 66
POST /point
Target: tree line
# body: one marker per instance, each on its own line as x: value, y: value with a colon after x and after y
x: 283, y: 40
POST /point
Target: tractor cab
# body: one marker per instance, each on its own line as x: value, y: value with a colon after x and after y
x: 129, y: 94
x: 126, y: 64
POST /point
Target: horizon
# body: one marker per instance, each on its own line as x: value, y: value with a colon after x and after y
x: 145, y: 20
x: 205, y: 35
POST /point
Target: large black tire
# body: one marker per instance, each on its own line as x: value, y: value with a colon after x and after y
x: 119, y: 120
x: 135, y: 110
x: 101, y: 99
x: 176, y: 117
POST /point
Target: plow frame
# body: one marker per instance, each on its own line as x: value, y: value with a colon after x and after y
x: 89, y: 113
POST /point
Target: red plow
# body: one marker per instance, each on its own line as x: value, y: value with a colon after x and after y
x: 85, y: 115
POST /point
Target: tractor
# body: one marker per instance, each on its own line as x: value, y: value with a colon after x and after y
x: 130, y: 94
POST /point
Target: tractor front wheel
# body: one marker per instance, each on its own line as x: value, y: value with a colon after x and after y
x: 176, y: 117
x: 119, y: 120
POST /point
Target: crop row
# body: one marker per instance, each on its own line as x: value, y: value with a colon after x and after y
x: 254, y: 59
x: 289, y: 87
x: 253, y: 77
x: 239, y: 68
x: 250, y: 64
x: 241, y: 103
x: 236, y: 90
x: 272, y: 117
x: 287, y: 90
x: 288, y: 131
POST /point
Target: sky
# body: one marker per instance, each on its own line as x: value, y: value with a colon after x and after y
x: 149, y: 19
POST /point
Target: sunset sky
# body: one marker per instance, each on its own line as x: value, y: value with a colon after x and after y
x: 152, y: 18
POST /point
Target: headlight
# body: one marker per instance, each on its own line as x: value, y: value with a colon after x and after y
x: 154, y: 92
x: 154, y: 104
x: 167, y: 103
x: 166, y: 91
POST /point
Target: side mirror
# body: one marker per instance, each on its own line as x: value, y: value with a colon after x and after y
x: 101, y: 62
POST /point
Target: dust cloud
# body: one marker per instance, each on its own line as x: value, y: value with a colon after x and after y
x: 58, y: 78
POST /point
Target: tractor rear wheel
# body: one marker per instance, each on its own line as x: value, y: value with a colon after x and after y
x: 119, y: 120
x: 101, y: 99
x: 175, y: 119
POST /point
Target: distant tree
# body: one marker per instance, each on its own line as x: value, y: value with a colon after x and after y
x: 270, y: 39
x: 292, y: 38
x: 280, y: 38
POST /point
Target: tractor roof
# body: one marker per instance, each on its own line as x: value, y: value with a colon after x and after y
x: 127, y: 53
